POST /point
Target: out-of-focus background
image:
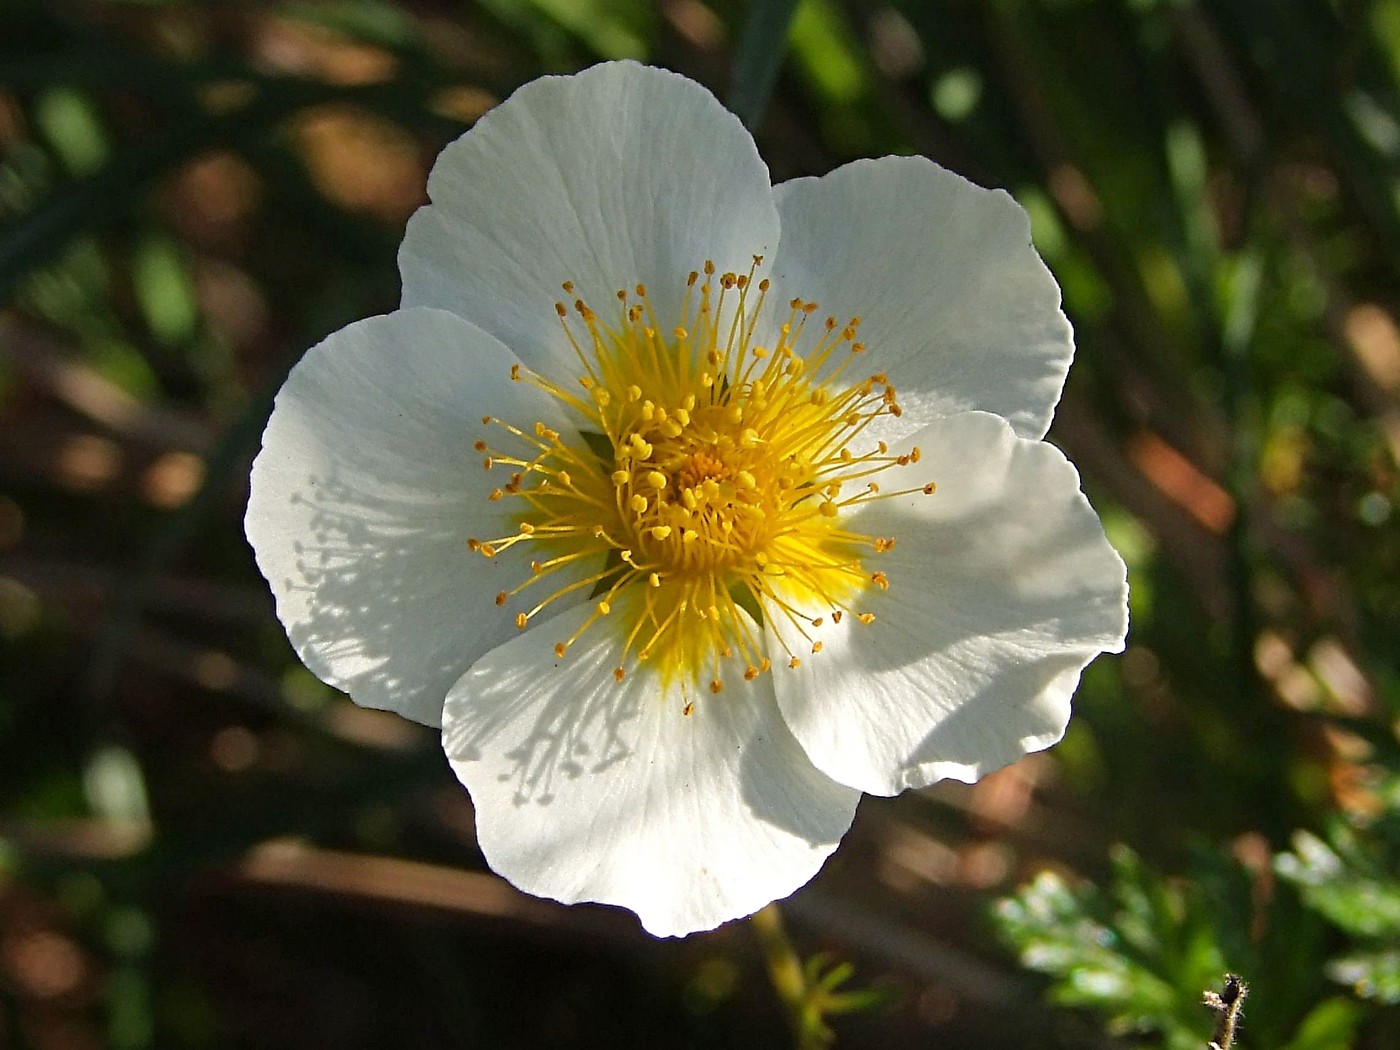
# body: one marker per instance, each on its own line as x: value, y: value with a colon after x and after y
x: 202, y: 846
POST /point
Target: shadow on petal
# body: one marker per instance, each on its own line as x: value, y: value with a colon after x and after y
x: 365, y: 562
x: 972, y: 739
x: 783, y: 789
x: 570, y: 735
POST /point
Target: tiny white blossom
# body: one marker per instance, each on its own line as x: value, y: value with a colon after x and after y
x: 690, y: 507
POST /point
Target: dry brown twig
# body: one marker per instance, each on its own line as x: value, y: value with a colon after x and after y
x: 1228, y: 1004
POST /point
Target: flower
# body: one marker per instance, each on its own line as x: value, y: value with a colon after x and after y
x: 690, y: 507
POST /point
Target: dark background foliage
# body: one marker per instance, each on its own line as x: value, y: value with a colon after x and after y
x: 202, y: 846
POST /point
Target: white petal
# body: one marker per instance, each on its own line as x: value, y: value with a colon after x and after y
x: 956, y: 306
x: 365, y: 493
x: 587, y: 789
x: 618, y: 175
x: 1002, y: 587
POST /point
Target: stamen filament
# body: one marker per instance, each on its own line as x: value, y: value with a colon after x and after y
x: 720, y: 483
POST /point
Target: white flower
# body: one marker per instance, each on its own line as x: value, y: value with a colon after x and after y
x: 624, y: 497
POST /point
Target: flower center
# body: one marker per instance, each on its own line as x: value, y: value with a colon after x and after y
x: 713, y: 483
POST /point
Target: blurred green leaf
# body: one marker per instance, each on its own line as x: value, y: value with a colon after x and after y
x: 115, y: 786
x: 165, y: 290
x: 762, y: 47
x: 1141, y: 953
x: 955, y: 93
x: 1331, y: 1025
x: 375, y: 21
x: 130, y: 1024
x: 1102, y: 953
x: 820, y: 42
x: 71, y: 124
x: 1371, y: 975
x: 1348, y: 893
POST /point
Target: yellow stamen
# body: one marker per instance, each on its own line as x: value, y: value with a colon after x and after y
x: 718, y: 479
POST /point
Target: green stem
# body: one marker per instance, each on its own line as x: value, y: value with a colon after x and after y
x: 785, y: 973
